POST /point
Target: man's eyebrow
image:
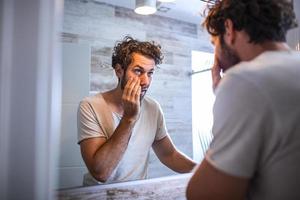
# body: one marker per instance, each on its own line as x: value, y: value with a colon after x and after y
x: 142, y: 68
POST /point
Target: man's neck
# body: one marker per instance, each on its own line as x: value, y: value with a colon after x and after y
x: 114, y: 99
x: 251, y: 51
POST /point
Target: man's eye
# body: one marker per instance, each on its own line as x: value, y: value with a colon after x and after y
x: 138, y: 72
x: 150, y: 74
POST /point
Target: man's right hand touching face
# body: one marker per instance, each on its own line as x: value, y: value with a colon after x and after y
x: 131, y: 99
x: 216, y: 74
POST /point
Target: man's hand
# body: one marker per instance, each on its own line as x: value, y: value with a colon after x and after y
x: 215, y: 74
x: 131, y: 99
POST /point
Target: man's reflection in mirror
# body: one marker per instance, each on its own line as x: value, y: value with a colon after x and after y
x: 117, y: 128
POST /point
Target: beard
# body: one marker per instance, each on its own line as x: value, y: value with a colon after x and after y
x: 228, y: 57
x: 123, y: 82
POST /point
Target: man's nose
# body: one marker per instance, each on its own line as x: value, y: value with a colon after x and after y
x: 144, y: 79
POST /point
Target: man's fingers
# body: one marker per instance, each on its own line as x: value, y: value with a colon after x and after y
x: 137, y: 90
x: 128, y: 87
x: 216, y: 73
x: 216, y: 76
x: 138, y: 93
x: 131, y: 102
x: 131, y: 89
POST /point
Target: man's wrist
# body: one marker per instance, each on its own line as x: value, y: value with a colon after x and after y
x: 129, y: 120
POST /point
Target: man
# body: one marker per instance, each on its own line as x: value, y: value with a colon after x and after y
x: 117, y: 128
x: 255, y: 152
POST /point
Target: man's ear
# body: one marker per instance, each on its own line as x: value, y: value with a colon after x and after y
x: 119, y: 71
x: 230, y: 34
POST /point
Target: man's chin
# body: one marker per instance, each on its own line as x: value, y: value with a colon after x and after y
x: 143, y: 95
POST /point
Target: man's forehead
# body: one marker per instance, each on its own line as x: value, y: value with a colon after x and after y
x: 136, y: 55
x: 142, y: 60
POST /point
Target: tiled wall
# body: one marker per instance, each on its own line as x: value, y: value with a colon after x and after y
x: 76, y: 64
x: 101, y: 25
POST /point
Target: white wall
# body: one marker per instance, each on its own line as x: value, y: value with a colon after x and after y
x: 76, y: 61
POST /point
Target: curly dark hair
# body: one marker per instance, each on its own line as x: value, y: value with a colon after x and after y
x: 262, y: 20
x: 123, y: 50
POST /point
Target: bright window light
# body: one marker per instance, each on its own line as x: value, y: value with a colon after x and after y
x: 202, y: 102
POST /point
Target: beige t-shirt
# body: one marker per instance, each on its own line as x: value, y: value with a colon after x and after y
x: 96, y: 120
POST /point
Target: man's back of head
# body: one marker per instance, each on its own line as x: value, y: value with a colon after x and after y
x: 262, y: 20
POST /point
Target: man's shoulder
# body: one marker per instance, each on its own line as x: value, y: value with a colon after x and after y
x: 92, y: 102
x: 151, y: 105
x: 268, y: 68
x: 266, y: 63
x: 256, y: 79
x: 92, y: 98
x: 150, y: 101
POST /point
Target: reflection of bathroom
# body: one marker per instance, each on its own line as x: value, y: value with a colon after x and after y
x: 41, y: 87
x: 90, y: 30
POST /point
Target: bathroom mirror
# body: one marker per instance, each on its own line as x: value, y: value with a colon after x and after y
x: 90, y: 30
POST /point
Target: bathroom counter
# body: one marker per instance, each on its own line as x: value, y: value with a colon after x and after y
x: 165, y: 188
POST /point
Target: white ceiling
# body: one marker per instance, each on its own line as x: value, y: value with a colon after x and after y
x: 185, y: 10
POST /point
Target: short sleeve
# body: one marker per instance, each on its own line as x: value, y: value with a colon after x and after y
x: 161, y: 131
x: 87, y: 123
x: 240, y: 115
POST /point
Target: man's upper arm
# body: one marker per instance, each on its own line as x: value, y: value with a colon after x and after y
x: 90, y: 135
x: 163, y: 148
x: 87, y: 122
x: 161, y: 129
x: 209, y: 183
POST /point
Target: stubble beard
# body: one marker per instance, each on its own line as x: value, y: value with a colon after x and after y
x: 229, y: 56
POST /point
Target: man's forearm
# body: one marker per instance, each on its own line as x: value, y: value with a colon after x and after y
x: 110, y: 153
x: 181, y: 163
x: 171, y: 157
